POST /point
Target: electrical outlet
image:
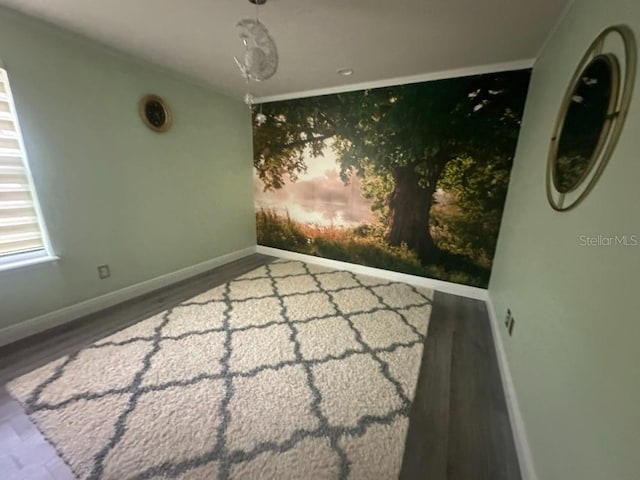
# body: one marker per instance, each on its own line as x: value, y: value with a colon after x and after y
x: 507, y: 318
x: 103, y: 271
x: 511, y: 326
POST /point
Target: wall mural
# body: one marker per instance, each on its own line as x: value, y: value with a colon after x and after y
x: 409, y: 178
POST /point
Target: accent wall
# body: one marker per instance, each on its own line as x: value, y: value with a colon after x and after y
x: 410, y: 178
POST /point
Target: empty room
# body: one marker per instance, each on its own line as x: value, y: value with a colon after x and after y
x: 318, y: 240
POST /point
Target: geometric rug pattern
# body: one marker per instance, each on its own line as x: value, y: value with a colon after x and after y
x: 291, y: 371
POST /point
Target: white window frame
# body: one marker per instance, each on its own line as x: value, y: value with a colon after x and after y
x: 34, y: 257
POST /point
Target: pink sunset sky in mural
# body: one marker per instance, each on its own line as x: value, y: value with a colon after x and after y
x: 318, y: 197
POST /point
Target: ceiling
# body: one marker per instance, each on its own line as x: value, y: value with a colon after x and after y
x: 378, y: 39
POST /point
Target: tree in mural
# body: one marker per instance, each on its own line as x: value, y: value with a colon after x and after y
x: 416, y: 136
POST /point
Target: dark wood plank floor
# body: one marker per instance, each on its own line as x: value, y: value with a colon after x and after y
x: 459, y: 426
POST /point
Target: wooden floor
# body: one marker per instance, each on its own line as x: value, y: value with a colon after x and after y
x: 459, y: 426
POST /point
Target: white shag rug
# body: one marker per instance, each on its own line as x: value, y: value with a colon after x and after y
x: 292, y: 371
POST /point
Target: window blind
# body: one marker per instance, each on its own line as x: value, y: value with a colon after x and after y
x: 20, y: 228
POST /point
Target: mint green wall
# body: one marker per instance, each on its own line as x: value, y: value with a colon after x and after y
x: 574, y: 356
x: 113, y: 191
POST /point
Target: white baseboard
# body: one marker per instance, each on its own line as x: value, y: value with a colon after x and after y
x: 525, y: 458
x: 47, y: 321
x: 448, y: 287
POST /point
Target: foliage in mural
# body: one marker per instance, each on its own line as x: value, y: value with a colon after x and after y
x: 412, y: 178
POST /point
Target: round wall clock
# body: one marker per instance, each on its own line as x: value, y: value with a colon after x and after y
x: 155, y: 113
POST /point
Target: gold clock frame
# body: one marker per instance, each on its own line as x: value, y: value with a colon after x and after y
x: 167, y: 113
x: 621, y: 93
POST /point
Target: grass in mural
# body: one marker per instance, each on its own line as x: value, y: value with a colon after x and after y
x: 363, y: 245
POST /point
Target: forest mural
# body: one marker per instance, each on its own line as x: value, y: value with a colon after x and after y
x: 410, y: 178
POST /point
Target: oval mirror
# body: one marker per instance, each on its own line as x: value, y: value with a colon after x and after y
x: 587, y: 122
x: 591, y: 117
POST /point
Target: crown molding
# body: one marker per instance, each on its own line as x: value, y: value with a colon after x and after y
x: 424, y: 77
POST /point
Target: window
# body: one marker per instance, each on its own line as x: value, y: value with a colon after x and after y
x: 22, y: 232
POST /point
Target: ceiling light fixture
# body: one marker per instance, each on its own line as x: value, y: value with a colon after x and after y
x: 260, y: 60
x: 345, y: 72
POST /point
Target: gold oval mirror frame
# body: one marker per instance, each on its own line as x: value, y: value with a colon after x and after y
x: 590, y: 120
x: 587, y: 122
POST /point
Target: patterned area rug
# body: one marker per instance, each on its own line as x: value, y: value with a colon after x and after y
x: 291, y: 371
